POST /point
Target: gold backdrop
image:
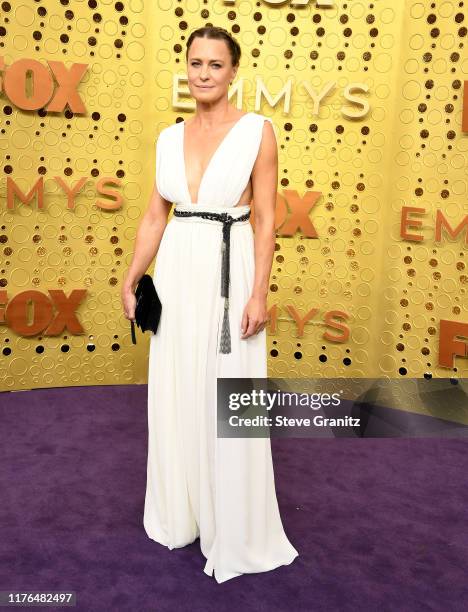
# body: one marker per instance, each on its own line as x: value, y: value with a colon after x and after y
x: 369, y: 276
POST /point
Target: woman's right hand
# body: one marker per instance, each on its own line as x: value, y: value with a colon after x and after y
x: 128, y: 303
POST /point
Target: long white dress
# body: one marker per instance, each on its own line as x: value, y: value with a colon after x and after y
x: 219, y: 489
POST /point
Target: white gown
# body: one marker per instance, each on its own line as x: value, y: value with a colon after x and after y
x: 219, y: 489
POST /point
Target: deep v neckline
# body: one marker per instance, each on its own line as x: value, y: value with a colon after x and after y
x: 210, y: 161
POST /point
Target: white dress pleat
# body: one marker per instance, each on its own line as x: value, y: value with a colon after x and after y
x: 221, y: 490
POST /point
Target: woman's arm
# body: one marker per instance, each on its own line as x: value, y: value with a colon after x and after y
x: 264, y: 186
x: 147, y: 241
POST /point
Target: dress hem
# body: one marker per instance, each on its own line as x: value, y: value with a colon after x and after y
x: 230, y: 575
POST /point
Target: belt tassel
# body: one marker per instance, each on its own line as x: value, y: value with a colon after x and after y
x: 225, y: 342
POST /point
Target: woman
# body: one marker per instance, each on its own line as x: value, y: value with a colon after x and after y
x: 212, y: 276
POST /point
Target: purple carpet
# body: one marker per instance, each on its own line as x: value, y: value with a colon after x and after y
x: 380, y: 524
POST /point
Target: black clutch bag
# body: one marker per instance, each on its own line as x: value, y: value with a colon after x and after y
x: 148, y: 306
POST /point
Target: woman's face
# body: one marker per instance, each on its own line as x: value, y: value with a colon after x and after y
x: 209, y: 69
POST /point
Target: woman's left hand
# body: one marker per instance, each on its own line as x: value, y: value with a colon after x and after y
x: 255, y: 317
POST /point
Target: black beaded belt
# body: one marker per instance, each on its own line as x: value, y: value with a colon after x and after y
x: 227, y: 220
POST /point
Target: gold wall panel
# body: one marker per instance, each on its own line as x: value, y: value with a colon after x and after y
x: 367, y: 102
